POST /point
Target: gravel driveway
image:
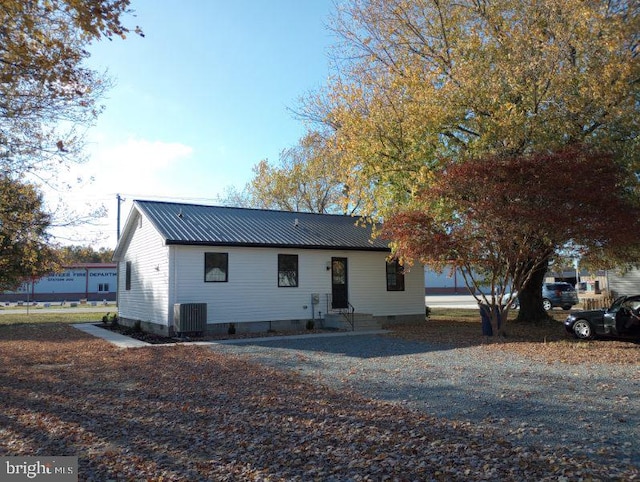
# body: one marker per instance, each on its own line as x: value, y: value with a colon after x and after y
x: 589, y: 410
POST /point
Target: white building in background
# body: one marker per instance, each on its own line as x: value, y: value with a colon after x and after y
x: 451, y: 282
x: 83, y: 281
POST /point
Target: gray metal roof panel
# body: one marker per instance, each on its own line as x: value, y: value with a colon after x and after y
x: 196, y: 224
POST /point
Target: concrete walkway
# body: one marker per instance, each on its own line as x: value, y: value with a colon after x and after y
x: 123, y: 341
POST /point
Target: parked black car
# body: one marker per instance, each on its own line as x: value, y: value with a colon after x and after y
x: 621, y: 319
x: 559, y: 294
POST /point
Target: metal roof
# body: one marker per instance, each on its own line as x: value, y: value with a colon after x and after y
x: 194, y: 224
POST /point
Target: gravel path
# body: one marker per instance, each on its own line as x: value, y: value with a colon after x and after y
x: 589, y: 410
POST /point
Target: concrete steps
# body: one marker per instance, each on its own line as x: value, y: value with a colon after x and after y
x: 361, y: 322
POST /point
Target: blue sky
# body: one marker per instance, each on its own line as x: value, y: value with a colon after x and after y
x: 200, y: 99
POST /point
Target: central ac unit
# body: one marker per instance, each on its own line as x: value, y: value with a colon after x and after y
x: 189, y: 318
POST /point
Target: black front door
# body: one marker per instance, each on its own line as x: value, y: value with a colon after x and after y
x: 339, y: 287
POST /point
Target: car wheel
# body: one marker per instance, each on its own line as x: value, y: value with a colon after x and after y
x: 566, y: 307
x: 546, y: 304
x: 582, y: 330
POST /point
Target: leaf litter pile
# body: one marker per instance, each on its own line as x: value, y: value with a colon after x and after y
x: 545, y: 342
x: 187, y: 413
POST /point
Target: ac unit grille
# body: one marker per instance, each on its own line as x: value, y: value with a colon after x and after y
x: 189, y: 318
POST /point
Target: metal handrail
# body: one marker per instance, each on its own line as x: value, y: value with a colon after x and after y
x: 347, y: 313
x: 350, y: 316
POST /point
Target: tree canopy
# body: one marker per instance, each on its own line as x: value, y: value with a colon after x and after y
x: 84, y: 254
x: 420, y: 84
x: 47, y: 96
x: 499, y: 220
x: 422, y: 81
x: 24, y: 249
x: 305, y: 179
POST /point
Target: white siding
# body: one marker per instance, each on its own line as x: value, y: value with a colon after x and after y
x: 147, y: 300
x: 252, y: 292
x: 624, y: 284
x: 368, y: 286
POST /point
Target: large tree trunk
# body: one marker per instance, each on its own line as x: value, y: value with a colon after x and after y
x: 531, y: 298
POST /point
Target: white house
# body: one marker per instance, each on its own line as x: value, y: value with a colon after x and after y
x: 257, y: 270
x: 624, y: 284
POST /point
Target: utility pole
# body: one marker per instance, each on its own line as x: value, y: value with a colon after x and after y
x: 120, y: 200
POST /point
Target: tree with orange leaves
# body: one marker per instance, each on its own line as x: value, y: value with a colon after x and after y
x: 498, y: 220
x: 423, y: 83
x: 47, y: 94
x: 48, y: 98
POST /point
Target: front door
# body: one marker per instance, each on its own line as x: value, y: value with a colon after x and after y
x: 339, y: 287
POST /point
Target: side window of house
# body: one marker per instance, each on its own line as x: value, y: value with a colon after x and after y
x: 216, y: 267
x: 103, y: 287
x: 287, y: 270
x: 395, y: 276
x: 127, y: 282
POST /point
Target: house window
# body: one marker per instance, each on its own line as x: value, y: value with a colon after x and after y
x: 287, y: 270
x: 103, y: 287
x: 395, y: 276
x: 127, y: 282
x: 216, y: 267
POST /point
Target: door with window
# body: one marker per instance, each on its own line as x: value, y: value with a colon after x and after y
x: 339, y: 285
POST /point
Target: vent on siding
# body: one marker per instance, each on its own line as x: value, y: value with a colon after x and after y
x: 189, y: 318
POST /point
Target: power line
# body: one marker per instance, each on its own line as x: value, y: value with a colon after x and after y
x: 169, y: 198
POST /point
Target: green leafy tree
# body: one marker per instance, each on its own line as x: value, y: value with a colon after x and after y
x: 422, y: 82
x: 25, y: 251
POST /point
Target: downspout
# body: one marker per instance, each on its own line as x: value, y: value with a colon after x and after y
x: 173, y: 279
x: 117, y: 283
x: 86, y: 283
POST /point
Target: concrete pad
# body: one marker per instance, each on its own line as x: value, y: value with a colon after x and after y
x: 121, y: 341
x: 241, y: 341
